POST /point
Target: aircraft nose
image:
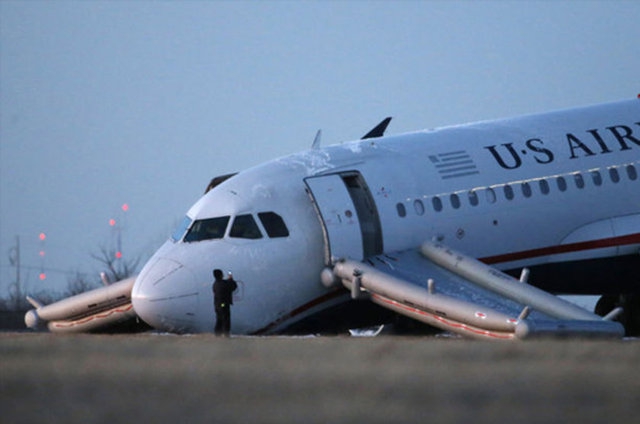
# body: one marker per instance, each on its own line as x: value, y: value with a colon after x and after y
x: 165, y: 296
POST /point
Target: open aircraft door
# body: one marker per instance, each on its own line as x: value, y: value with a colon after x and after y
x: 348, y: 214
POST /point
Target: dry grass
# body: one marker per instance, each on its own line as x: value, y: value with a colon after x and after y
x: 151, y: 378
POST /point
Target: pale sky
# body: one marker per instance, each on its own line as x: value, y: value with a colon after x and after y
x: 107, y: 103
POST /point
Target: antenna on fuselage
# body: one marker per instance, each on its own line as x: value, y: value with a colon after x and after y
x: 379, y: 129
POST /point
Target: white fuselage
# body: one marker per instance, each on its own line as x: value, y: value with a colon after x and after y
x: 550, y: 188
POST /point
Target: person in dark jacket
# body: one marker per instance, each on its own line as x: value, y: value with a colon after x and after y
x: 222, y: 301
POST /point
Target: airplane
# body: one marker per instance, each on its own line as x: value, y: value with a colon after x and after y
x: 472, y: 229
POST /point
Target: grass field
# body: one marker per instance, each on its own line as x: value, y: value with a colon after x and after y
x: 151, y: 378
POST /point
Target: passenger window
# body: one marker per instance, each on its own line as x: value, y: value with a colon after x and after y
x: 614, y: 175
x: 544, y: 187
x: 562, y: 183
x: 632, y: 173
x: 402, y: 212
x: 473, y: 198
x: 455, y: 201
x: 491, y: 195
x: 274, y: 224
x: 596, y: 177
x: 508, y: 192
x: 244, y: 226
x: 437, y: 204
x: 579, y: 180
x: 207, y: 229
x: 526, y: 189
x: 418, y: 206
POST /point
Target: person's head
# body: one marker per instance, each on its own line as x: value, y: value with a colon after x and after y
x: 217, y: 274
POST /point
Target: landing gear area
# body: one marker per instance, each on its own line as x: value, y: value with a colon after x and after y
x: 630, y: 317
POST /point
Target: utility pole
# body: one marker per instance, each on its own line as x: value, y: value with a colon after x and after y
x: 14, y: 259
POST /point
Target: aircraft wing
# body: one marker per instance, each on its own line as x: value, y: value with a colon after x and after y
x: 457, y: 293
x: 100, y: 309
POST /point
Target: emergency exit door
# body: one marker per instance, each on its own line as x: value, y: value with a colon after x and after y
x: 348, y: 214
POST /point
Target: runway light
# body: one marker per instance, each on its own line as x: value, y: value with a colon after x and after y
x: 41, y: 253
x: 42, y: 236
x: 112, y: 222
x: 43, y: 276
x: 118, y: 255
x: 125, y: 207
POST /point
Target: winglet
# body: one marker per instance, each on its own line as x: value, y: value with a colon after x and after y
x: 35, y: 303
x: 615, y: 313
x: 316, y: 141
x: 379, y: 130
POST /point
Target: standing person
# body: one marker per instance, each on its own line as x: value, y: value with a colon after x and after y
x: 222, y: 301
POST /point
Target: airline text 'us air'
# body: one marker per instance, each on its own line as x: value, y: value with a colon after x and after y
x: 590, y: 143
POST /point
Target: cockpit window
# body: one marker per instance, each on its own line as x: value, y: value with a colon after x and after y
x: 244, y: 226
x: 273, y: 223
x: 207, y: 229
x: 181, y: 229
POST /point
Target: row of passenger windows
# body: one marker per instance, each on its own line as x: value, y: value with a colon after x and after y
x: 562, y: 182
x: 243, y: 226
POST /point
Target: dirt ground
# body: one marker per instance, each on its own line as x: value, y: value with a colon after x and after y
x: 166, y: 378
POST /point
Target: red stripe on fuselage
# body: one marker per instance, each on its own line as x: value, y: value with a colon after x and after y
x: 563, y: 248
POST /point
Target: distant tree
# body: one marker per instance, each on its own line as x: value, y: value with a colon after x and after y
x: 114, y: 269
x: 114, y: 266
x: 4, y: 305
x: 16, y: 301
x: 117, y: 268
x: 80, y: 283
